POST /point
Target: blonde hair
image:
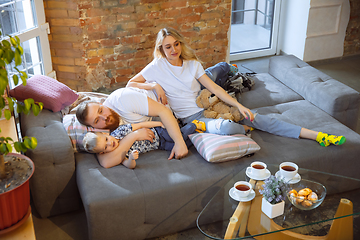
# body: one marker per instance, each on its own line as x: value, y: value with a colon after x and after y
x: 187, y: 53
x: 90, y: 142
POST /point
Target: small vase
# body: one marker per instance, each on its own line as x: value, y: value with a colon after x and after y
x: 272, y: 210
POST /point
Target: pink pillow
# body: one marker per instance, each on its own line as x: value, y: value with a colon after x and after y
x: 52, y: 93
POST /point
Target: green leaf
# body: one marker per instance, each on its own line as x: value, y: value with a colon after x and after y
x: 23, y: 78
x: 10, y: 103
x: 7, y: 114
x: 27, y: 143
x: 5, y: 43
x: 35, y: 109
x: 2, y: 63
x: 13, y: 42
x: 20, y: 49
x: 18, y: 59
x: 3, y: 148
x: 2, y: 103
x: 41, y: 105
x: 33, y: 143
x: 3, y: 72
x: 9, y: 147
x: 28, y: 102
x: 17, y: 146
x: 15, y: 79
x: 17, y: 40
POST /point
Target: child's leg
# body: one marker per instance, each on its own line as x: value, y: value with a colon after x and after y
x: 167, y: 143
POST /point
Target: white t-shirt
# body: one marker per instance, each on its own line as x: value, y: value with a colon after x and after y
x: 131, y: 104
x: 179, y: 83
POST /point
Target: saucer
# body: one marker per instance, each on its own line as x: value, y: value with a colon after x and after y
x: 293, y: 180
x: 245, y: 199
x: 267, y: 174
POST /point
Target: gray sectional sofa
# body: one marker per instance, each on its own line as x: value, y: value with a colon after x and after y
x: 160, y: 196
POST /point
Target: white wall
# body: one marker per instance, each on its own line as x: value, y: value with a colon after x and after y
x: 293, y: 26
x: 313, y: 29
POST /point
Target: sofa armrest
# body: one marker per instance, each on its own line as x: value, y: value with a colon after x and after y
x: 53, y: 185
x: 328, y: 94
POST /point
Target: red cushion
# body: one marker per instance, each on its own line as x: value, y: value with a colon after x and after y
x: 52, y: 93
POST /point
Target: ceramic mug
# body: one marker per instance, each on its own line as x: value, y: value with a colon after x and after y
x: 242, y: 189
x: 288, y: 170
x: 257, y: 169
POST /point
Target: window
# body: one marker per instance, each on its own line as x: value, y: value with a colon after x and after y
x: 26, y: 19
x: 254, y: 28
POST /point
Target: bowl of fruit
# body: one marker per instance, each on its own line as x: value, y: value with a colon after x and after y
x: 306, y: 194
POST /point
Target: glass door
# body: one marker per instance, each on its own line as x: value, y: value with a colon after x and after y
x: 254, y: 28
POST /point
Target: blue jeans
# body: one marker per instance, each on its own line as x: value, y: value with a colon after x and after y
x: 228, y: 127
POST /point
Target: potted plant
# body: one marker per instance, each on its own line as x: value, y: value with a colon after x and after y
x: 15, y: 169
x: 274, y: 193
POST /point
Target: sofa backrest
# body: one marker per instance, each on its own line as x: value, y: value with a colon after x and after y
x: 330, y: 95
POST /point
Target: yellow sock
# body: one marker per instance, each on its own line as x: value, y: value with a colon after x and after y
x: 325, y: 139
x: 199, y: 125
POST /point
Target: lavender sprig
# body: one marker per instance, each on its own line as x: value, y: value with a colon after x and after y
x: 274, y: 189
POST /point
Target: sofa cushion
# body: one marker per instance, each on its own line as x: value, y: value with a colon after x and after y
x: 53, y: 94
x: 267, y: 91
x: 77, y: 131
x: 221, y: 148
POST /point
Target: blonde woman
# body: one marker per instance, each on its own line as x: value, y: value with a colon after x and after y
x: 176, y: 74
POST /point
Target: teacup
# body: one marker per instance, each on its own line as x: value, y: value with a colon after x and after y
x: 242, y: 189
x: 288, y: 170
x: 257, y: 169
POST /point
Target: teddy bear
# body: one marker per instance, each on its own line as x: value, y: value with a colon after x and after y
x: 215, y: 108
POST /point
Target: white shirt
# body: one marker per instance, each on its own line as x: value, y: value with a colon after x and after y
x: 179, y: 83
x: 131, y: 104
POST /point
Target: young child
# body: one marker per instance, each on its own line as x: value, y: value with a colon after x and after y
x: 104, y: 144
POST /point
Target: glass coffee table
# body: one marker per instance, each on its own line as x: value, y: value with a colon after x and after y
x: 225, y: 218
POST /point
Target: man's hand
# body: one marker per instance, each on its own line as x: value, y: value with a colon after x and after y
x: 144, y: 134
x: 179, y: 151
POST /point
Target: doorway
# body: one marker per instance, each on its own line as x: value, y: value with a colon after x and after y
x: 254, y: 28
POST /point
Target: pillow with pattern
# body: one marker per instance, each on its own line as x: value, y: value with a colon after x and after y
x: 221, y: 148
x: 77, y: 131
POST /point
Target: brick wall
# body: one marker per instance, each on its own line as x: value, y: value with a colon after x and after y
x: 100, y: 45
x: 352, y: 38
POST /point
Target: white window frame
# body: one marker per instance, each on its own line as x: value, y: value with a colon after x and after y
x: 40, y: 30
x: 274, y: 49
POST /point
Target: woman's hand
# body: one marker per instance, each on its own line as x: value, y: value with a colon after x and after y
x: 246, y: 112
x: 179, y: 151
x: 160, y: 93
x: 144, y: 134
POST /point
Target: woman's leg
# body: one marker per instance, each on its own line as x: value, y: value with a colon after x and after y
x: 273, y: 125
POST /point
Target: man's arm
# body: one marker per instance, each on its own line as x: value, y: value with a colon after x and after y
x: 113, y: 158
x: 156, y: 109
x: 148, y: 124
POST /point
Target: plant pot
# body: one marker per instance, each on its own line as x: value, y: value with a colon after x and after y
x: 272, y: 210
x: 15, y: 203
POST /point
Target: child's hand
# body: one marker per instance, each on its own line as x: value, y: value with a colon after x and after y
x: 134, y: 155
